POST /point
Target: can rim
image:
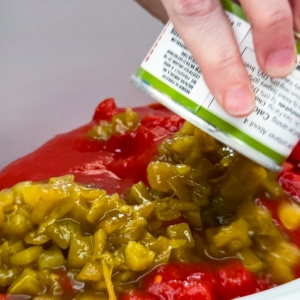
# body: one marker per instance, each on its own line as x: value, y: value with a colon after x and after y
x: 197, y: 121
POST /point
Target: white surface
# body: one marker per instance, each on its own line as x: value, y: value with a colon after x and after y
x: 59, y: 59
x: 288, y: 291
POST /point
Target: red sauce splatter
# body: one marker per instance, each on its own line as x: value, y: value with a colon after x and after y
x: 289, y: 178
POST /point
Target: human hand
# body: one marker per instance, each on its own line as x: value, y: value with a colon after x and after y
x: 203, y: 26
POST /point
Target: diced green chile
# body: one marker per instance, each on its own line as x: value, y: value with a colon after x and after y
x: 199, y: 203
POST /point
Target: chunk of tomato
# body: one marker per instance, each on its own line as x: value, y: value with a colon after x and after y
x: 106, y: 109
x: 180, y: 282
x: 234, y: 280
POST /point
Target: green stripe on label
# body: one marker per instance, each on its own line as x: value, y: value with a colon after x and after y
x: 209, y: 117
x: 166, y: 89
x: 233, y: 131
x: 234, y: 8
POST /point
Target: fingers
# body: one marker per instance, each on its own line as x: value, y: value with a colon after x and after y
x: 272, y: 26
x: 207, y: 33
x: 295, y: 4
x: 156, y: 8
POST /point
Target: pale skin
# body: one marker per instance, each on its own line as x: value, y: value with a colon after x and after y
x: 206, y: 31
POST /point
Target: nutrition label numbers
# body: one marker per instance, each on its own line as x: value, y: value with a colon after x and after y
x: 180, y: 69
x: 278, y: 102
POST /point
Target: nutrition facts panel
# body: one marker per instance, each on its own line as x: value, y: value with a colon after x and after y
x: 276, y: 117
x: 273, y: 127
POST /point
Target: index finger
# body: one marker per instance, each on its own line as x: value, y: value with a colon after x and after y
x: 295, y: 5
x: 207, y: 33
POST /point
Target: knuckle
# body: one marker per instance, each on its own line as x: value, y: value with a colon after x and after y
x: 278, y: 16
x: 227, y: 63
x: 194, y: 8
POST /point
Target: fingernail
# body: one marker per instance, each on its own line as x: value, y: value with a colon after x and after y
x: 239, y: 102
x: 281, y: 63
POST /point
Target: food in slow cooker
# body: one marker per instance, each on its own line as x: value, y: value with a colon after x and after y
x: 146, y: 207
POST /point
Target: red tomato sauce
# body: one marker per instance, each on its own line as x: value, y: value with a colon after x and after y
x: 113, y: 165
x: 200, y: 281
x: 120, y: 162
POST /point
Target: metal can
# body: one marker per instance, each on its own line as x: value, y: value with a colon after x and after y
x: 170, y: 75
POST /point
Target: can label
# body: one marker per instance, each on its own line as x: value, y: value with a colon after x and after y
x: 170, y: 75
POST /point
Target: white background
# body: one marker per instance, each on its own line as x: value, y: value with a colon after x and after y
x: 59, y: 59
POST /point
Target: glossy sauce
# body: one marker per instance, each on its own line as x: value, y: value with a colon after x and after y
x: 121, y: 161
x: 113, y: 165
